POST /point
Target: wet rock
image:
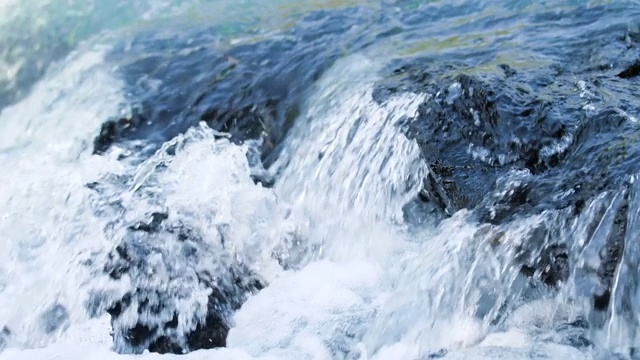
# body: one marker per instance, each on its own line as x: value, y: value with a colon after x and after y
x: 575, y: 334
x: 251, y: 90
x: 510, y: 143
x: 440, y: 193
x: 551, y: 266
x: 557, y: 121
x: 445, y: 125
x: 632, y: 71
x: 112, y: 130
x: 611, y: 257
x: 152, y: 225
x: 508, y: 70
x: 438, y: 354
x: 475, y: 131
x: 183, y: 289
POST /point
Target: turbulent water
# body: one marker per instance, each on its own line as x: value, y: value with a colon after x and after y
x: 319, y: 179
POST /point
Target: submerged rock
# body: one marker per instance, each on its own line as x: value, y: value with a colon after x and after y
x: 251, y: 90
x: 632, y: 71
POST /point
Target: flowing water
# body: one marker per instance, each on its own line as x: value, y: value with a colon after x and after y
x: 322, y: 210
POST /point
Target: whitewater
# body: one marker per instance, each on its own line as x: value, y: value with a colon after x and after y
x: 352, y: 266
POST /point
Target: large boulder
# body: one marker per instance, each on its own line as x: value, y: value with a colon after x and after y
x: 169, y: 266
x: 508, y: 142
x: 245, y: 90
x: 251, y: 89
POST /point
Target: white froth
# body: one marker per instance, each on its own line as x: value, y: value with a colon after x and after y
x: 322, y: 303
x: 360, y: 286
x: 45, y: 219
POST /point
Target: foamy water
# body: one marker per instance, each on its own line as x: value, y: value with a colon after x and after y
x: 358, y: 285
x: 347, y: 278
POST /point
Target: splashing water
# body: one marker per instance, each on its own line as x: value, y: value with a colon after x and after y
x: 347, y: 278
x: 46, y: 223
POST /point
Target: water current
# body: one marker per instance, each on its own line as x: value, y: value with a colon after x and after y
x: 345, y: 179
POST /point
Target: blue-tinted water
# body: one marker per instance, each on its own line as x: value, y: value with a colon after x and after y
x: 319, y: 179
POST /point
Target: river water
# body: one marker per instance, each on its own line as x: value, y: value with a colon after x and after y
x: 352, y: 265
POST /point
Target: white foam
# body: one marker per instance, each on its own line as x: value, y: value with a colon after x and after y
x: 362, y: 285
x: 45, y: 219
x: 322, y: 304
x: 79, y: 351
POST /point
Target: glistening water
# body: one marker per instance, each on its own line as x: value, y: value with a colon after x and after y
x: 380, y: 179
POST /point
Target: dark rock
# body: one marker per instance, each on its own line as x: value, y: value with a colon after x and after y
x: 476, y: 132
x: 601, y: 300
x: 112, y: 130
x: 153, y: 225
x: 575, y: 334
x: 210, y: 334
x: 438, y: 355
x: 551, y: 266
x: 632, y: 71
x: 165, y: 345
x: 251, y: 91
x: 158, y: 305
x: 119, y: 262
x: 508, y: 70
x: 611, y: 256
x: 556, y: 270
x: 508, y: 144
x: 434, y: 191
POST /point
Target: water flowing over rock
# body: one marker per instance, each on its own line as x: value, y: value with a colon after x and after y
x: 509, y: 143
x: 249, y: 90
x: 175, y: 277
x: 498, y: 142
x: 327, y: 180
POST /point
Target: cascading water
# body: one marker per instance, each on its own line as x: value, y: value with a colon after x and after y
x: 341, y: 138
x: 145, y: 246
x: 348, y: 156
x: 46, y: 223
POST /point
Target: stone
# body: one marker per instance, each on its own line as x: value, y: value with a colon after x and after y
x: 511, y: 143
x: 632, y: 71
x: 251, y: 91
x: 168, y: 264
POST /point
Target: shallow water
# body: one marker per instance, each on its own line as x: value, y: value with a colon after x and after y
x: 289, y: 138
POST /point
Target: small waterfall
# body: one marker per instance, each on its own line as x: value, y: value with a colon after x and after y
x: 348, y: 169
x: 340, y: 272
